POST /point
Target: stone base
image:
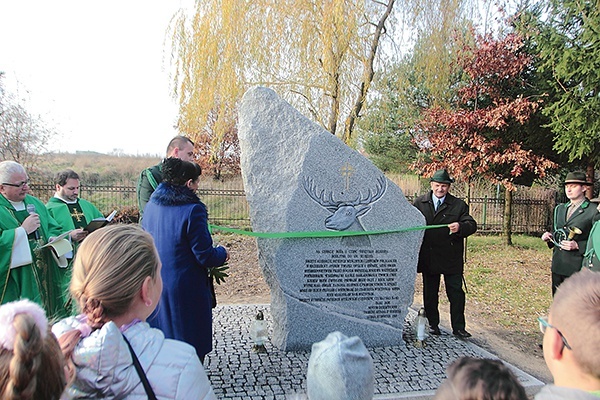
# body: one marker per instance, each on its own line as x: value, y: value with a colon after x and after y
x: 402, y: 371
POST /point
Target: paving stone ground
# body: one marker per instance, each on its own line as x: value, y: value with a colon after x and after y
x: 401, y: 372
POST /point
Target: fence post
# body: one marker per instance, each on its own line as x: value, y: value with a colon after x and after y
x: 469, y: 204
x: 485, y: 203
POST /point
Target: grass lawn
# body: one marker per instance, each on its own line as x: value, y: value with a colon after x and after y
x: 508, y: 286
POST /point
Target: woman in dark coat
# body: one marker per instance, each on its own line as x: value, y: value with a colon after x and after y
x: 178, y: 222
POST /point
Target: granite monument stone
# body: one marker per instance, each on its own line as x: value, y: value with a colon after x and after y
x: 300, y: 178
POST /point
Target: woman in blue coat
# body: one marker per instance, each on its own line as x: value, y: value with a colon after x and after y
x: 178, y: 222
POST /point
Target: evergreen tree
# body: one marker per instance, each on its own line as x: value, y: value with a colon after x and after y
x: 565, y: 34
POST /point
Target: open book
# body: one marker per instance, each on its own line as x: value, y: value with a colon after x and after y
x: 60, y: 246
x: 98, y: 223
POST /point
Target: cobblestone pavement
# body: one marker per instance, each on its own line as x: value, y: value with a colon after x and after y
x: 401, y: 372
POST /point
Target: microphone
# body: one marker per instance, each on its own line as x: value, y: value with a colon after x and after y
x: 31, y: 210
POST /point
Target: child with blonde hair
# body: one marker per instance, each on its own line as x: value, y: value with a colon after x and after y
x: 111, y: 351
x: 31, y: 362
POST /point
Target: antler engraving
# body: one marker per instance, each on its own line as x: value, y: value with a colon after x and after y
x: 345, y: 214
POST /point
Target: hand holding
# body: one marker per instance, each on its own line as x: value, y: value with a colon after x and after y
x: 546, y: 236
x: 226, y: 252
x: 77, y: 235
x: 454, y: 227
x: 569, y: 245
x: 31, y: 223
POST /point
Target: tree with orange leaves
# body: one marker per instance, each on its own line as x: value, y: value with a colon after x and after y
x: 483, y: 133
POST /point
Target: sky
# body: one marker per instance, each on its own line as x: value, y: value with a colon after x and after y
x: 96, y: 72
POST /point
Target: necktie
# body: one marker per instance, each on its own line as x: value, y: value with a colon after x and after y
x: 438, y: 204
x: 570, y: 211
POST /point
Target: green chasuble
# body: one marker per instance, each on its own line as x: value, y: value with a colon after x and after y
x: 40, y: 280
x: 71, y: 216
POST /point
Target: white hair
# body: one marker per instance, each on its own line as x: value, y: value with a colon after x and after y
x: 8, y: 169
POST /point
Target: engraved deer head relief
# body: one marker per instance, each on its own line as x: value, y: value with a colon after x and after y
x: 345, y: 214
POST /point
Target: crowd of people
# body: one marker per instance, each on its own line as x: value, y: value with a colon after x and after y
x: 130, y: 313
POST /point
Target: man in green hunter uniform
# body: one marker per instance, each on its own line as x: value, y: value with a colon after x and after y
x: 578, y: 213
x: 179, y: 147
x: 26, y: 271
x: 72, y: 214
x: 591, y: 257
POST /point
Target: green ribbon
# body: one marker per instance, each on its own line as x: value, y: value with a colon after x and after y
x: 319, y: 234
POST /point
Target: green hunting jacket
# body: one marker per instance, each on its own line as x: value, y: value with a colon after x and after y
x: 566, y: 263
x: 592, y: 250
x: 147, y: 182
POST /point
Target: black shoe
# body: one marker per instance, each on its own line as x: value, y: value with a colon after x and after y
x: 461, y: 334
x: 434, y: 330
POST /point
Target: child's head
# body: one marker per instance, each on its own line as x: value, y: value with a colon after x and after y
x: 31, y: 362
x: 575, y: 320
x: 110, y: 269
x: 480, y: 379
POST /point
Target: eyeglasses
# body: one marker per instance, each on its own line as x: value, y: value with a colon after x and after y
x: 543, y: 321
x: 17, y: 185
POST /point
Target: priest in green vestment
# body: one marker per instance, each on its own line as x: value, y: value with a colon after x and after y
x: 26, y: 271
x: 71, y: 213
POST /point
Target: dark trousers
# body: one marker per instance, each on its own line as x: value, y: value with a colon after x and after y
x: 456, y: 296
x: 556, y: 281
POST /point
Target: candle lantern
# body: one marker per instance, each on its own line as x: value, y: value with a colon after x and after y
x: 420, y: 326
x: 259, y: 333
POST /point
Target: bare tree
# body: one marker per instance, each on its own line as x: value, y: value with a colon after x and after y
x: 23, y: 136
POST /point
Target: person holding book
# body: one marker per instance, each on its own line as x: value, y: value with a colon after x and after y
x: 110, y: 350
x: 27, y: 271
x: 178, y: 222
x: 72, y: 214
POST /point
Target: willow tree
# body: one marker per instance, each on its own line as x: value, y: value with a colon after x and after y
x: 424, y: 77
x: 318, y: 55
x: 442, y: 29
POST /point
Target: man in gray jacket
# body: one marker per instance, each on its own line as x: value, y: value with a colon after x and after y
x: 572, y: 339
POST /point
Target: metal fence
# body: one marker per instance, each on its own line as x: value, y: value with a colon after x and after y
x: 229, y: 207
x: 225, y: 207
x: 529, y: 216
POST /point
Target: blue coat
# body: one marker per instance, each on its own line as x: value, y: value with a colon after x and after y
x: 178, y: 222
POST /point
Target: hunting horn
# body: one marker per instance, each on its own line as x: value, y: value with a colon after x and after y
x: 561, y: 234
x: 573, y: 230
